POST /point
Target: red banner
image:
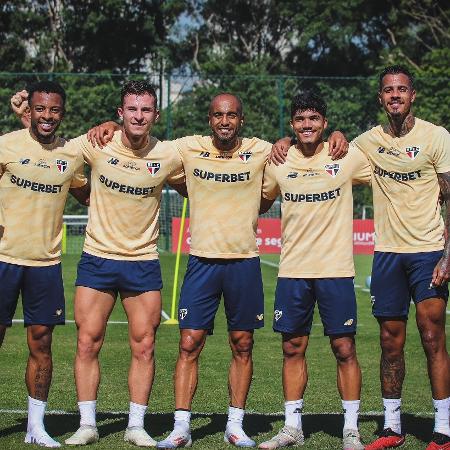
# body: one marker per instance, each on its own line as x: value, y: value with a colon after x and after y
x: 268, y: 236
x: 363, y: 237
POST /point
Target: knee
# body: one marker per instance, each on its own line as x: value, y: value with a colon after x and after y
x: 88, y: 346
x: 345, y: 352
x: 40, y: 345
x: 242, y: 346
x: 432, y: 340
x: 143, y: 348
x: 391, y: 343
x: 293, y: 350
x: 190, y: 347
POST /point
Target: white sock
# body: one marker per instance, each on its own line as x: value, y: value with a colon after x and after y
x: 392, y: 411
x: 442, y: 416
x: 351, y: 412
x: 87, y: 413
x: 182, y: 420
x: 235, y: 418
x: 293, y: 413
x: 136, y: 415
x: 36, y: 411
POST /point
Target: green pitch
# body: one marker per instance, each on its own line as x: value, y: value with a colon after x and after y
x: 322, y: 421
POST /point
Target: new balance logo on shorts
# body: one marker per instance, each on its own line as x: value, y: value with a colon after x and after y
x: 182, y: 313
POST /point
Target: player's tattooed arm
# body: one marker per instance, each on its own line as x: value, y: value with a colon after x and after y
x: 392, y: 374
x: 441, y: 273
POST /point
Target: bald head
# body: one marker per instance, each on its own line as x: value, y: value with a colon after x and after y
x: 232, y: 101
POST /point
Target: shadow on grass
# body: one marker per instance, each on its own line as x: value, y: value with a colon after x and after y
x: 255, y: 424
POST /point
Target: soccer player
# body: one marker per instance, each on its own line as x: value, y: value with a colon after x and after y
x: 410, y: 161
x: 224, y: 177
x: 120, y: 257
x: 317, y: 225
x: 37, y: 170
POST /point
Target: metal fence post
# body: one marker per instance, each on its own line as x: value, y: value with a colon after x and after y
x: 280, y: 82
x: 168, y: 111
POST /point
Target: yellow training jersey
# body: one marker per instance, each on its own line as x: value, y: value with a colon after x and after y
x: 35, y: 180
x: 316, y: 211
x: 126, y: 188
x: 405, y: 186
x: 224, y: 195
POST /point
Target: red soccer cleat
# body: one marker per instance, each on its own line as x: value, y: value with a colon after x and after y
x: 439, y: 441
x: 387, y: 439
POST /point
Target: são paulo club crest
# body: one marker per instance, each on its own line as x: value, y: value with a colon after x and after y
x: 245, y: 156
x: 153, y: 168
x: 412, y: 152
x: 332, y: 169
x: 61, y: 165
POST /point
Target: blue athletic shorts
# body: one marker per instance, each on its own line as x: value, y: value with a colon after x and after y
x: 118, y: 275
x: 399, y: 277
x: 207, y: 279
x: 295, y: 299
x: 42, y: 294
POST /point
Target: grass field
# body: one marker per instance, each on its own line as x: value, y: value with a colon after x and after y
x: 322, y: 421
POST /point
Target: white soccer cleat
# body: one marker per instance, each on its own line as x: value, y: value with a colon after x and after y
x: 177, y: 439
x: 286, y: 437
x: 86, y: 434
x: 40, y: 437
x: 351, y: 440
x: 238, y: 438
x: 138, y: 436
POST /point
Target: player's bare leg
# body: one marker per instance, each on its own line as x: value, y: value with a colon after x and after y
x: 349, y: 386
x: 38, y: 377
x: 392, y: 374
x: 241, y: 367
x: 239, y: 379
x: 295, y: 379
x: 430, y: 317
x: 2, y: 334
x: 185, y: 384
x: 92, y: 309
x: 144, y: 315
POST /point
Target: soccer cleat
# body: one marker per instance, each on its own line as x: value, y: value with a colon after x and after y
x: 177, y: 439
x: 286, y: 437
x: 138, y: 436
x: 439, y: 441
x: 351, y: 440
x: 40, y: 437
x: 238, y: 439
x: 387, y: 439
x: 86, y: 434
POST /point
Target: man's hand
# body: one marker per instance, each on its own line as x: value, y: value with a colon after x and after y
x: 103, y: 133
x: 280, y: 151
x: 441, y: 273
x: 19, y: 105
x: 338, y: 145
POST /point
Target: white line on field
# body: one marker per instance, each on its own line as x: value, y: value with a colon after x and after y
x: 59, y: 412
